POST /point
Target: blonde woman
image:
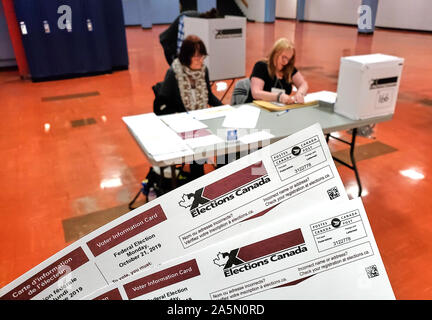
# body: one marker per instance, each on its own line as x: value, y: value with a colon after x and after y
x: 272, y: 79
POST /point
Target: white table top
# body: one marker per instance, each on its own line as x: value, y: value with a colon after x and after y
x: 279, y: 126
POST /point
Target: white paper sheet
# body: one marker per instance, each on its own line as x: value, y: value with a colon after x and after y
x: 158, y: 139
x: 326, y: 96
x: 256, y: 136
x: 326, y: 252
x: 212, y: 113
x: 243, y: 117
x: 203, y: 141
x: 182, y: 122
x: 297, y: 170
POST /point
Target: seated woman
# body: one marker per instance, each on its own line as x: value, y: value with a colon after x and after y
x: 186, y: 85
x: 272, y: 78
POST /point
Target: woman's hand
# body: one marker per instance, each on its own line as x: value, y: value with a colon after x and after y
x: 299, y: 97
x: 286, y: 99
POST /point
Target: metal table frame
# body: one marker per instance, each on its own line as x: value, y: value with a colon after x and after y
x: 280, y: 127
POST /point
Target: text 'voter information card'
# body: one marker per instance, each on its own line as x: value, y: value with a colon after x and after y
x: 298, y: 171
x: 325, y: 252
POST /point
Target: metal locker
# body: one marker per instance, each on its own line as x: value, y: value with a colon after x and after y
x: 113, y: 11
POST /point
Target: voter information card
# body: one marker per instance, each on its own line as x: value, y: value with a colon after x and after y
x: 325, y: 252
x: 220, y: 204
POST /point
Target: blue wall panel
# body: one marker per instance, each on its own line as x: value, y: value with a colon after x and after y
x: 205, y: 5
x: 146, y: 13
x: 301, y: 6
x: 149, y: 12
x: 270, y: 11
x: 132, y: 12
x: 164, y: 11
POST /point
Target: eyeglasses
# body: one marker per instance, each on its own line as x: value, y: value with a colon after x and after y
x: 199, y: 57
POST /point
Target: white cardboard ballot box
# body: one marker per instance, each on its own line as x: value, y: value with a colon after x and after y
x: 368, y: 85
x: 225, y: 40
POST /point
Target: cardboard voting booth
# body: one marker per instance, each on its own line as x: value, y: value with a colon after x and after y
x: 368, y: 85
x: 225, y: 40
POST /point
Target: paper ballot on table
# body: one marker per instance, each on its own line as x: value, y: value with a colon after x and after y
x: 325, y: 96
x: 159, y: 140
x: 243, y: 117
x: 212, y: 113
x: 256, y: 137
x: 204, y: 141
x: 298, y: 171
x: 200, y: 138
x: 324, y: 252
x: 182, y: 122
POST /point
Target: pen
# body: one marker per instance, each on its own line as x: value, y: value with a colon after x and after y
x: 282, y: 112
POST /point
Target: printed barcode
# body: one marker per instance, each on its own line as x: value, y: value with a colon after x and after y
x: 333, y: 193
x: 372, y: 271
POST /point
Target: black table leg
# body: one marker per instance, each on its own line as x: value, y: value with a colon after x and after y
x: 173, y: 177
x: 353, y: 165
x: 353, y: 162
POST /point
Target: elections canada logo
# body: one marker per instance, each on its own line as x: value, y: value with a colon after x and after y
x: 227, y: 260
x: 225, y: 190
x: 193, y: 199
x: 261, y: 253
x: 187, y: 200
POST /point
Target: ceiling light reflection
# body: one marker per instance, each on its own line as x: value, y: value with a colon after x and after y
x: 47, y: 127
x: 353, y: 191
x: 111, y: 183
x: 412, y: 174
x: 336, y: 134
x: 221, y: 86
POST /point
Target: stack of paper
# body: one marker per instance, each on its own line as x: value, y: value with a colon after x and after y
x: 182, y: 122
x: 275, y: 106
x: 257, y: 136
x: 159, y: 140
x: 191, y: 130
x: 212, y: 113
x: 325, y: 96
x: 200, y: 138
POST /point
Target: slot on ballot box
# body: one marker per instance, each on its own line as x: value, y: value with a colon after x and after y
x: 368, y: 85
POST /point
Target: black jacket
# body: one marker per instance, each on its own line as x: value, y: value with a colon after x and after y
x: 168, y: 38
